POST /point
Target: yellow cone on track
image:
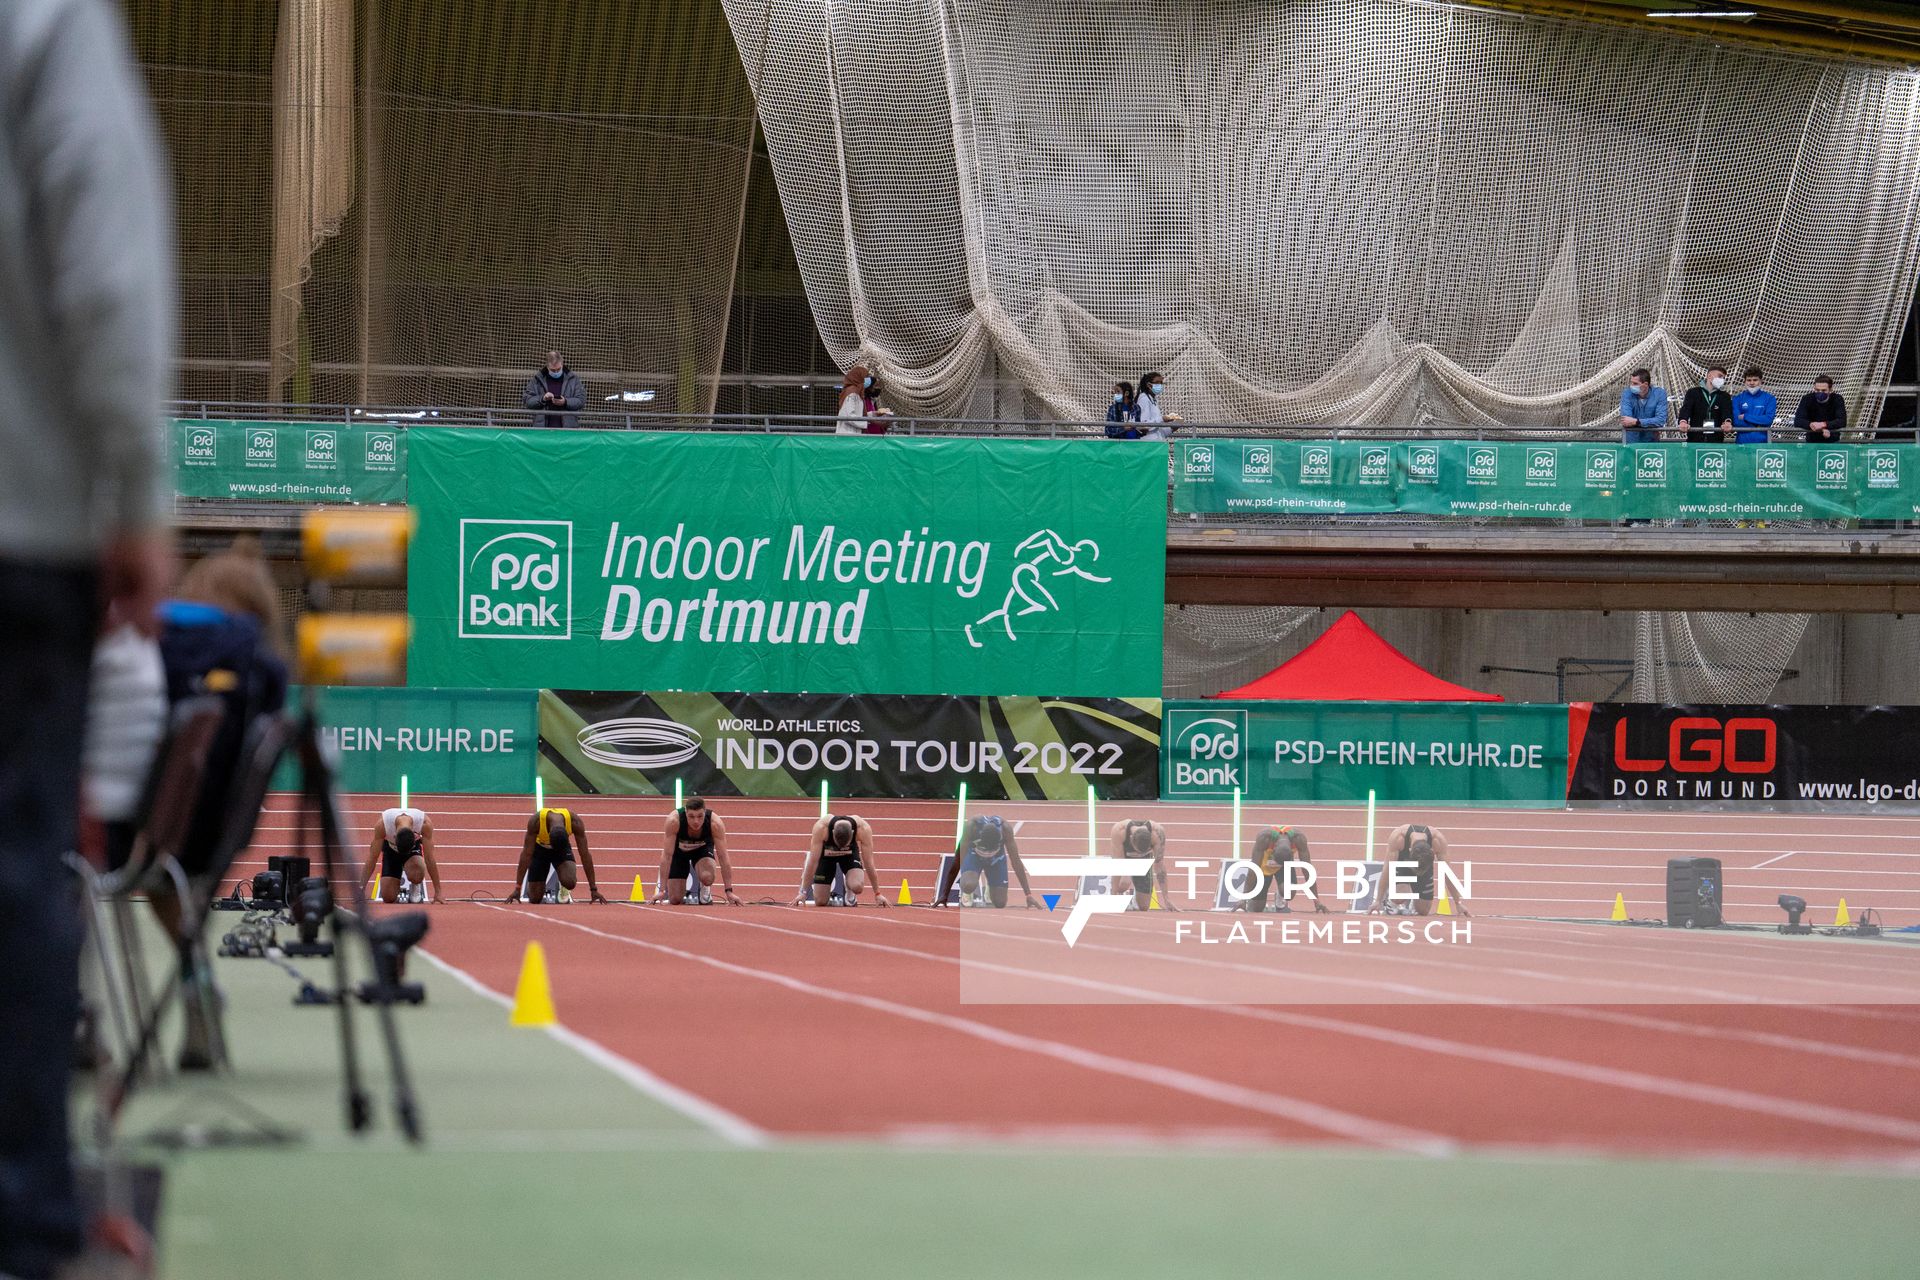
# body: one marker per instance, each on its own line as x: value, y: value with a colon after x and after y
x: 373, y: 890
x: 533, y: 995
x: 639, y: 893
x: 1153, y: 903
x: 906, y: 894
x: 1443, y: 905
x: 1840, y: 917
x: 1620, y: 907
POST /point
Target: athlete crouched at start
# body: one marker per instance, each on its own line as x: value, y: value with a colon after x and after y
x: 696, y: 843
x: 1142, y: 838
x: 842, y: 844
x: 547, y: 853
x: 1273, y: 851
x: 1425, y: 848
x: 986, y: 848
x: 402, y: 845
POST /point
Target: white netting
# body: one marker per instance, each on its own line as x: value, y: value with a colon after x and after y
x: 1713, y: 657
x: 1330, y: 210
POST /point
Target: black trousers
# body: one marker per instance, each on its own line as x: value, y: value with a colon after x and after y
x: 47, y: 624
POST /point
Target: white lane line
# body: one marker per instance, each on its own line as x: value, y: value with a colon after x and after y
x: 1770, y: 861
x: 1312, y: 1115
x: 1618, y: 1077
x: 720, y: 1121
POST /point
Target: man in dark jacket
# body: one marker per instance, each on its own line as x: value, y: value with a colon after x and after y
x: 558, y: 392
x: 1822, y: 414
x: 1707, y: 413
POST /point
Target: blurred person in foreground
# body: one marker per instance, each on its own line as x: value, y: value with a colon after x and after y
x: 87, y: 302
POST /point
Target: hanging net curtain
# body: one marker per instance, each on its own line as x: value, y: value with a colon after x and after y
x: 1331, y: 211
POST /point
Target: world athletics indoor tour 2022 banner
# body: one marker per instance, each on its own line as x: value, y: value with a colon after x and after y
x: 1576, y: 481
x: 661, y: 560
x: 920, y: 747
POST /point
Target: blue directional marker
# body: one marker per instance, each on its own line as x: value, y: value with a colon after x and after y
x: 1051, y: 899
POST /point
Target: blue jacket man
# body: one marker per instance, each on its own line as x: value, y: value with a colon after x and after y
x: 1643, y: 409
x: 1754, y: 411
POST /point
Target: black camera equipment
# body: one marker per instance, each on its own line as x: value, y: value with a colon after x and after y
x: 1795, y: 908
x: 392, y: 937
x: 269, y: 889
x: 311, y: 905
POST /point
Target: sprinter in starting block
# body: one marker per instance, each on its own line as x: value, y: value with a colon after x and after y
x: 402, y: 845
x: 1142, y: 838
x: 547, y: 855
x: 696, y: 844
x: 986, y: 849
x: 1273, y: 851
x: 1425, y: 848
x: 840, y: 845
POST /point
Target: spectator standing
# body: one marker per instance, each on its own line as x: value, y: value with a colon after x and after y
x: 1154, y: 420
x: 557, y: 392
x: 1754, y: 411
x: 1123, y: 414
x: 1822, y: 414
x: 87, y: 298
x: 1707, y: 412
x: 1643, y: 409
x: 860, y: 412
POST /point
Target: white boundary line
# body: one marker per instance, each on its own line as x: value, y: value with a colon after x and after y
x: 718, y: 1120
x: 1308, y: 1114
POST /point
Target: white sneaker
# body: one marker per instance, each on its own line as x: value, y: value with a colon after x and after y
x: 565, y: 894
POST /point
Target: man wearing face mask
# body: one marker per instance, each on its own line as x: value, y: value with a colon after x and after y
x: 1154, y: 420
x: 1643, y: 410
x: 1706, y: 415
x: 1822, y: 414
x: 1754, y: 411
x: 557, y: 391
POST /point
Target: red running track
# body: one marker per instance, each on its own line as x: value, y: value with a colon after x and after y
x: 1525, y: 862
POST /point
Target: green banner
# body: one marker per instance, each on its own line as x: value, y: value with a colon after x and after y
x: 482, y: 740
x: 1553, y: 480
x: 289, y: 461
x: 1442, y: 753
x: 662, y: 560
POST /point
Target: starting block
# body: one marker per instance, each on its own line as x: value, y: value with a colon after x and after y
x: 980, y: 898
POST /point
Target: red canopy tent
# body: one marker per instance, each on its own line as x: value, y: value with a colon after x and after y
x: 1351, y: 663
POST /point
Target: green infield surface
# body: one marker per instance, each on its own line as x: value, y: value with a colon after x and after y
x: 549, y: 1154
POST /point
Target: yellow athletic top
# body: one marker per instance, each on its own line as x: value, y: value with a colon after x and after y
x: 540, y: 835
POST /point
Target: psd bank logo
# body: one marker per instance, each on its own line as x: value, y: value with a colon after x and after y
x: 383, y: 451
x: 1543, y: 466
x: 323, y: 449
x: 1603, y: 468
x: 1257, y: 462
x: 263, y: 447
x: 1376, y: 465
x: 1196, y: 462
x: 516, y: 579
x: 1208, y: 752
x: 1316, y: 464
x: 1830, y: 469
x: 1710, y: 467
x: 1650, y: 468
x: 202, y: 447
x: 1883, y: 468
x: 1770, y: 468
x: 1423, y: 464
x: 1483, y: 466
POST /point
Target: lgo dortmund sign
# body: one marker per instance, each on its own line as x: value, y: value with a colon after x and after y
x: 593, y: 560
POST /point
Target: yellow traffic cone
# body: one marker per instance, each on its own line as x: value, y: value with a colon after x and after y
x: 906, y: 894
x: 1153, y: 903
x: 1620, y: 907
x: 1840, y: 918
x: 639, y: 893
x: 1443, y: 906
x: 533, y: 995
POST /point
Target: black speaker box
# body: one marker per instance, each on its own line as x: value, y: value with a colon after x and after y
x: 1695, y: 893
